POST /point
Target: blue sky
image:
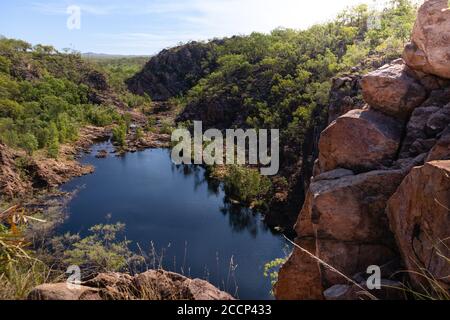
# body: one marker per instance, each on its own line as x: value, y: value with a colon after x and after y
x: 144, y: 27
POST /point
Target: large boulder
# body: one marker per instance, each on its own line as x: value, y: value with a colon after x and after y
x: 163, y: 285
x: 299, y: 278
x: 151, y: 285
x: 352, y: 208
x: 343, y: 223
x: 429, y: 51
x: 419, y: 215
x: 361, y: 139
x: 62, y: 291
x: 392, y: 90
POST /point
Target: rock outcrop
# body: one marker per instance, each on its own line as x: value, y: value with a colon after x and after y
x: 172, y: 72
x: 381, y: 186
x: 429, y: 50
x: 419, y: 213
x: 392, y: 90
x: 151, y: 285
x: 363, y: 139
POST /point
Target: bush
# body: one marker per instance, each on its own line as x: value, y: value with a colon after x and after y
x: 246, y: 185
x: 101, y: 251
x: 120, y: 134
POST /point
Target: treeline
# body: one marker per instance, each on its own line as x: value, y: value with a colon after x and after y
x: 45, y: 96
x: 280, y: 78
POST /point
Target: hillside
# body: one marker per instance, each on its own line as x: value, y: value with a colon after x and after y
x: 279, y: 80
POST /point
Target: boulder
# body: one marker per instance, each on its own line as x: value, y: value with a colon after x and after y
x: 162, y: 285
x: 360, y: 140
x: 62, y: 291
x: 151, y: 285
x: 351, y: 209
x: 420, y: 219
x: 429, y: 51
x: 441, y: 150
x: 425, y: 128
x: 299, y: 278
x: 392, y: 90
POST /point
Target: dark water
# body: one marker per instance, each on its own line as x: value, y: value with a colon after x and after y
x: 184, y: 216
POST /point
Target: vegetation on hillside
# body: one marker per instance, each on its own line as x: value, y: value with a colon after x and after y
x: 44, y: 97
x: 282, y: 80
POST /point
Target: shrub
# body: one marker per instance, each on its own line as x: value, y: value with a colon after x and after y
x: 246, y: 185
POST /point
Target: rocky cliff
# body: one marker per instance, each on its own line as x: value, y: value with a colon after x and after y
x: 173, y: 71
x: 380, y: 194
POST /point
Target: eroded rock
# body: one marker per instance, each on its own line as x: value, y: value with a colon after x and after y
x: 361, y: 139
x: 430, y: 48
x: 420, y: 219
x: 392, y: 90
x: 151, y: 285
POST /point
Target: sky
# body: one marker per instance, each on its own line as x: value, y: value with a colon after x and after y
x: 144, y: 27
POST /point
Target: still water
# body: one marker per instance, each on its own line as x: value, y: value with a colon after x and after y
x: 182, y: 215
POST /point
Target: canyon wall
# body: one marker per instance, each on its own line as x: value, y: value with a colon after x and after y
x: 380, y: 194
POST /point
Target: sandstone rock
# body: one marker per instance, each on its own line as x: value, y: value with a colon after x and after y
x: 392, y: 90
x: 151, y: 285
x: 299, y: 278
x: 349, y: 258
x: 420, y: 219
x: 361, y: 140
x: 441, y: 150
x: 425, y: 127
x: 61, y: 291
x: 390, y: 290
x: 352, y: 208
x: 162, y: 285
x: 334, y: 174
x: 430, y: 48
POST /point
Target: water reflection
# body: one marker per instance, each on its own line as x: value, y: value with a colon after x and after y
x: 183, y: 215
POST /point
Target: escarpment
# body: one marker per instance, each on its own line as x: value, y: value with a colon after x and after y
x: 380, y: 194
x: 172, y: 72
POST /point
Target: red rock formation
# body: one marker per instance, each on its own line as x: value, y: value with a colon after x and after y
x: 429, y: 50
x: 419, y: 213
x: 352, y: 221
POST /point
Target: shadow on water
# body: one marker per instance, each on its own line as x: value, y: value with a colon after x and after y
x: 180, y: 216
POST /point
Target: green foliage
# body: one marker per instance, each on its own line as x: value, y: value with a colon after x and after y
x: 101, y: 250
x: 282, y: 77
x: 46, y: 107
x: 271, y: 269
x: 120, y: 134
x: 246, y: 185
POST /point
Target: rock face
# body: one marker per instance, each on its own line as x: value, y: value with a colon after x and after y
x: 11, y: 182
x: 429, y: 51
x: 151, y: 285
x: 363, y: 139
x: 164, y: 76
x: 344, y: 96
x: 419, y: 213
x: 392, y: 90
x: 381, y: 186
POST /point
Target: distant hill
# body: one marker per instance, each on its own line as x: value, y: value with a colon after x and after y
x: 93, y: 55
